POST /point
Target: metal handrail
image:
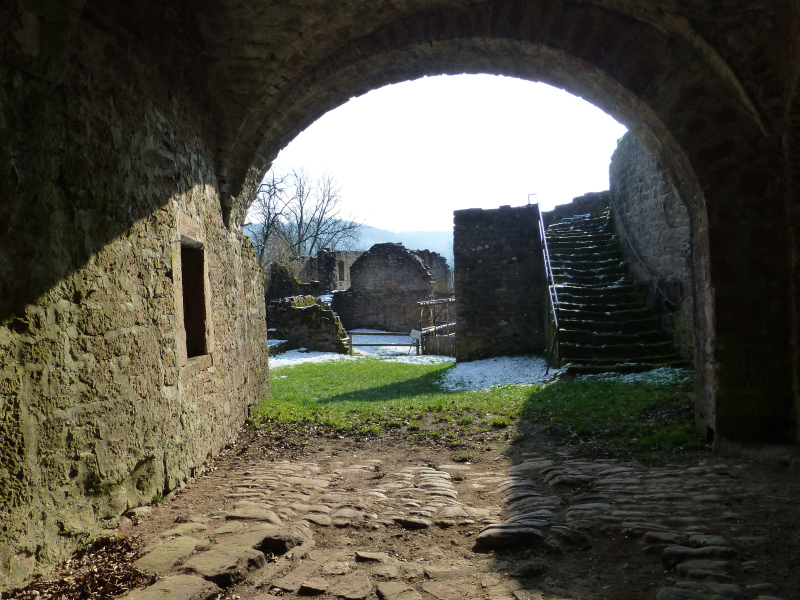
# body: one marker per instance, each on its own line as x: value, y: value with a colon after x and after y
x: 551, y: 280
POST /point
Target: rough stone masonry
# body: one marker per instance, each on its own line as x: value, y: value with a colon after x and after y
x: 500, y: 282
x: 652, y: 224
x: 134, y: 344
x: 386, y: 283
x: 304, y: 323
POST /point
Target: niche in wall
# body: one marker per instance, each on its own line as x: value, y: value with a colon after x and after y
x: 194, y: 300
x: 194, y: 326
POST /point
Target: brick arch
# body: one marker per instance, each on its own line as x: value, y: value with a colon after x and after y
x: 668, y: 85
x: 123, y: 124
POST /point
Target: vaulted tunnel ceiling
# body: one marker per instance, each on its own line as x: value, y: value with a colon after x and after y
x: 660, y: 67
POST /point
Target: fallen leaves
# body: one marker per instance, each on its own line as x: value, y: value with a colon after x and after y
x: 103, y: 569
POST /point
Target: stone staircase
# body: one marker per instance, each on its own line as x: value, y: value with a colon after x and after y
x: 604, y: 324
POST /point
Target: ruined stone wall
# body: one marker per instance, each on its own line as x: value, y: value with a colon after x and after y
x: 654, y: 231
x: 499, y: 281
x: 386, y: 283
x: 792, y: 163
x: 107, y: 170
x: 442, y: 275
x: 338, y: 265
x: 305, y: 268
x: 331, y: 268
x: 284, y: 284
x: 306, y: 324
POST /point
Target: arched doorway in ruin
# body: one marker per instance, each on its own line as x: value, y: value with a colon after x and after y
x: 702, y: 421
x: 710, y: 91
x: 664, y: 84
x: 127, y: 127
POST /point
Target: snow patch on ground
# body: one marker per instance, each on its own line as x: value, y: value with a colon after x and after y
x: 393, y: 353
x: 667, y: 375
x: 475, y: 375
x: 491, y: 372
x: 301, y: 355
x: 383, y: 339
x: 420, y: 360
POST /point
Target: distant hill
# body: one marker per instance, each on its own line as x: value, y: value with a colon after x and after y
x: 440, y: 242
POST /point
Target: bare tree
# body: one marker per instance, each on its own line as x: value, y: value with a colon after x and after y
x: 293, y: 215
x: 267, y: 213
x: 313, y: 218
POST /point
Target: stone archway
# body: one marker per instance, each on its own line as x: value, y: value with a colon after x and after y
x: 710, y: 90
x: 652, y: 71
x: 130, y: 129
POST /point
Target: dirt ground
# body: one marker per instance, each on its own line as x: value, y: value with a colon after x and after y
x: 759, y: 510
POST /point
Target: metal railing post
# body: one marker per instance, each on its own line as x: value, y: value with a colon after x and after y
x: 552, y: 294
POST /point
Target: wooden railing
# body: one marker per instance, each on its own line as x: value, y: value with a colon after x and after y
x: 439, y: 339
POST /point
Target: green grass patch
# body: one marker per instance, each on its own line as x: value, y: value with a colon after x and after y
x: 619, y: 416
x: 499, y: 422
x: 429, y: 433
x: 357, y: 397
x: 372, y: 397
x: 463, y: 457
x: 371, y: 430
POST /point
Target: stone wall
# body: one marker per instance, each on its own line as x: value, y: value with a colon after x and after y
x: 305, y: 323
x: 111, y: 216
x: 442, y: 275
x: 386, y: 283
x: 654, y: 231
x: 304, y: 267
x: 499, y: 281
x: 284, y: 284
x: 115, y: 116
x: 331, y: 268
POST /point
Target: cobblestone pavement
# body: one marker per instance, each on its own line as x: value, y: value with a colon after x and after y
x: 549, y: 527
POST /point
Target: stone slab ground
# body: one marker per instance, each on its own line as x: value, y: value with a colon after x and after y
x: 385, y: 519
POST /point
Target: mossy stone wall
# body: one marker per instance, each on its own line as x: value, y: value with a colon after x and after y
x: 305, y: 323
x: 107, y: 166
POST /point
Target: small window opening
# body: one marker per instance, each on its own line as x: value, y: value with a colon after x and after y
x: 341, y: 270
x: 194, y: 300
x: 709, y: 435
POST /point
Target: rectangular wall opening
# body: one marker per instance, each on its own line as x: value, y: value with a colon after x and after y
x: 194, y: 300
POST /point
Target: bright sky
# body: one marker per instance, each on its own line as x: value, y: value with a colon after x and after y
x: 407, y: 155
